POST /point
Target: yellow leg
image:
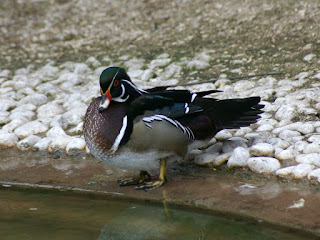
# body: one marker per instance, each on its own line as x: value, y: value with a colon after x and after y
x: 142, y: 177
x: 156, y: 184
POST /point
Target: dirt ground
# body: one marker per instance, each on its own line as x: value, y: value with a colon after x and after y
x: 256, y: 36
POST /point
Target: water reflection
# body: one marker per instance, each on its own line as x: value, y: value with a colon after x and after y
x: 27, y: 215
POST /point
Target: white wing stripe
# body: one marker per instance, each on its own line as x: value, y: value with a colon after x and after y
x: 115, y: 146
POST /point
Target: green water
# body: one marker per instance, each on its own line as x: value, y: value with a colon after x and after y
x: 33, y: 215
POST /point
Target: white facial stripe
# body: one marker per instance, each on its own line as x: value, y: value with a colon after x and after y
x: 193, y: 96
x: 118, y: 99
x: 115, y: 146
x: 114, y: 77
x: 105, y: 104
x: 186, y: 106
x: 134, y: 86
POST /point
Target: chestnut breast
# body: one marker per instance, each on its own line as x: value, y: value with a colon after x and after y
x: 101, y: 129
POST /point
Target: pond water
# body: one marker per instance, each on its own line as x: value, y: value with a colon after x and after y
x: 48, y: 215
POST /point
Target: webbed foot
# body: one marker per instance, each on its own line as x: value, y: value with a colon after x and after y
x: 144, y: 176
x: 151, y: 185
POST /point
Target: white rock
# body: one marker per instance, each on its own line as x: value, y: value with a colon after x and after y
x: 302, y: 170
x: 172, y: 70
x: 74, y: 116
x: 284, y: 172
x: 146, y: 75
x: 264, y: 165
x: 232, y: 143
x: 59, y: 121
x: 317, y: 76
x: 215, y: 148
x: 310, y: 158
x: 223, y: 135
x: 285, y: 155
x: 31, y: 128
x: 135, y: 73
x: 36, y: 99
x: 24, y: 107
x: 9, y: 127
x: 7, y: 104
x: 277, y: 142
x: 134, y: 64
x: 242, y: 131
x: 309, y: 57
x: 77, y: 130
x: 75, y: 144
x: 8, y: 140
x: 262, y: 149
x: 238, y: 158
x: 285, y: 112
x: 265, y: 128
x: 49, y: 110
x: 48, y: 89
x: 205, y: 158
x: 314, y: 175
x: 243, y: 85
x: 159, y: 63
x: 197, y: 64
x: 285, y: 134
x: 312, y: 148
x: 27, y: 114
x: 28, y: 142
x: 306, y: 128
x: 92, y: 61
x: 81, y: 68
x: 300, y: 146
x: 221, y: 159
x: 314, y: 139
x: 59, y: 143
x: 4, y: 117
x: 5, y: 73
x: 55, y: 131
x: 42, y: 145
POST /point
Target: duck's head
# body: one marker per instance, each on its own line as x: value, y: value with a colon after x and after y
x: 113, y: 87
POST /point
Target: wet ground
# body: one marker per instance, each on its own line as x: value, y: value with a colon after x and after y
x: 240, y: 194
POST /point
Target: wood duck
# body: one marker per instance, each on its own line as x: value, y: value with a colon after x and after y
x: 132, y: 128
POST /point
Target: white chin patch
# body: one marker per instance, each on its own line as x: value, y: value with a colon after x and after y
x: 105, y: 105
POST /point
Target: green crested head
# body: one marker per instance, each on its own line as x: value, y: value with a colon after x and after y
x: 111, y: 76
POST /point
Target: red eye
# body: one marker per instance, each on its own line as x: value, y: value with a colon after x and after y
x: 116, y: 83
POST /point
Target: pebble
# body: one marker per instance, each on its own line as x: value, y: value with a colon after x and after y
x: 312, y: 148
x: 242, y: 131
x: 277, y: 142
x: 49, y: 110
x: 4, y: 117
x: 215, y: 148
x: 59, y: 143
x: 8, y: 140
x: 36, y: 99
x: 285, y: 134
x: 7, y: 104
x: 76, y: 144
x: 310, y: 158
x: 262, y: 149
x: 30, y: 128
x: 243, y: 85
x: 74, y: 117
x: 265, y: 128
x: 27, y: 114
x: 232, y: 143
x: 28, y: 142
x: 285, y: 172
x: 238, y: 158
x: 314, y: 139
x: 309, y: 57
x: 11, y: 126
x: 42, y: 144
x: 197, y: 64
x: 302, y: 170
x: 55, y: 131
x: 205, y: 158
x: 314, y: 175
x: 223, y: 135
x: 285, y: 155
x: 81, y: 68
x: 159, y: 63
x: 221, y: 159
x: 59, y: 121
x: 285, y: 112
x: 265, y: 165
